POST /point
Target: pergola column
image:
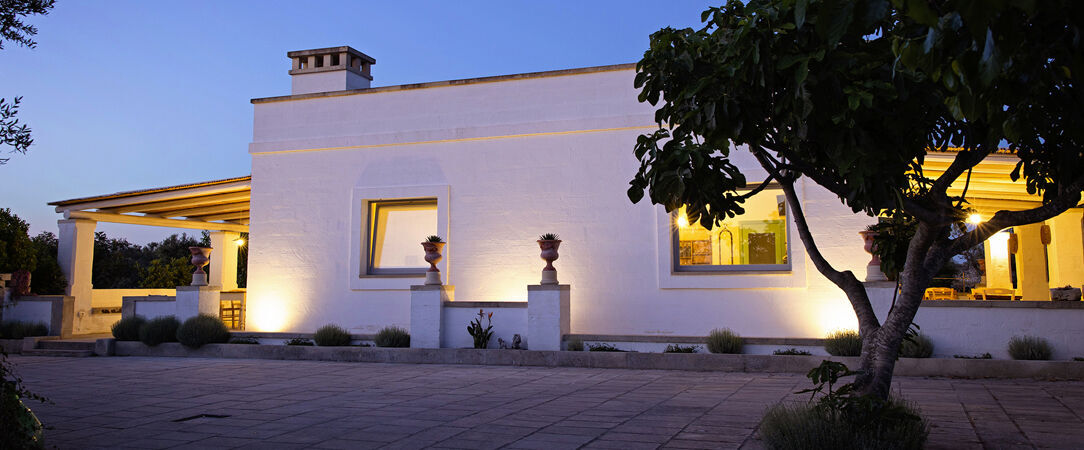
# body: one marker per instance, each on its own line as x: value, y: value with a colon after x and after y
x: 75, y: 253
x: 1066, y: 249
x: 1031, y: 263
x: 224, y: 259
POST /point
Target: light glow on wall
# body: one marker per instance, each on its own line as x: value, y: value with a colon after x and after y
x: 267, y: 314
x: 835, y: 316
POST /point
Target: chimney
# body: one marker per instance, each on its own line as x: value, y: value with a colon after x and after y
x: 329, y: 69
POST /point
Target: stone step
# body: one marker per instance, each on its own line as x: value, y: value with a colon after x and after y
x: 65, y: 353
x: 65, y: 345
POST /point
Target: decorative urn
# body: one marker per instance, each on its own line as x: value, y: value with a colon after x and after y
x: 549, y: 244
x: 200, y: 257
x: 873, y: 269
x: 433, y: 256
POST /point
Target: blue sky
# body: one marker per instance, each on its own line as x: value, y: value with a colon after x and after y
x: 126, y: 95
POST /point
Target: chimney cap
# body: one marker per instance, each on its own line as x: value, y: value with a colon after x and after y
x: 328, y: 50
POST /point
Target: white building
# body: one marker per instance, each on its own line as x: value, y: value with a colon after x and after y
x: 347, y: 180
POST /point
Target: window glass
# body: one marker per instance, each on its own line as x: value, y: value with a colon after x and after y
x: 396, y: 229
x: 757, y: 238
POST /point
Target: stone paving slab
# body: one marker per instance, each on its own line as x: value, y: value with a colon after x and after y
x: 136, y: 402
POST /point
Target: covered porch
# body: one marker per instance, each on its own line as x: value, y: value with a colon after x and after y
x: 1019, y: 263
x: 220, y: 207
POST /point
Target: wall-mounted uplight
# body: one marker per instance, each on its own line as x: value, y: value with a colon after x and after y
x: 239, y: 241
x: 974, y: 219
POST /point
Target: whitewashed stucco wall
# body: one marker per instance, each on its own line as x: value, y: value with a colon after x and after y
x: 518, y: 158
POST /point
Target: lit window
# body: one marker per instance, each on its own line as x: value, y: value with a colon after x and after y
x: 756, y: 240
x: 396, y: 229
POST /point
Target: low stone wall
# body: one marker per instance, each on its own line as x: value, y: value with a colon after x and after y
x: 55, y: 311
x: 11, y: 346
x: 612, y: 360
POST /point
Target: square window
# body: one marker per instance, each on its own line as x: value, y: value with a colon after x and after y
x: 753, y: 241
x: 394, y: 234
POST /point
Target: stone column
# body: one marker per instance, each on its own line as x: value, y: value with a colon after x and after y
x: 194, y: 300
x: 1066, y: 250
x: 224, y: 260
x: 427, y: 314
x: 548, y: 315
x: 1031, y: 264
x: 75, y: 253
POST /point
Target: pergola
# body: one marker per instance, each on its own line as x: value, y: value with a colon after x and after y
x: 220, y: 206
x: 1047, y: 255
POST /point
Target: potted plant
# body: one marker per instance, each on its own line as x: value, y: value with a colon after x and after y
x: 481, y: 335
x: 549, y: 243
x: 433, y: 245
x: 1067, y: 293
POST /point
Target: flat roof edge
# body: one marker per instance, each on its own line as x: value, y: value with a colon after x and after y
x: 459, y: 82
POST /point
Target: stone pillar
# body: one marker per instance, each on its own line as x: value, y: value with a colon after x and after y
x: 427, y: 314
x: 998, y: 273
x: 548, y: 315
x: 75, y: 253
x: 1066, y: 250
x: 1031, y: 264
x: 224, y: 260
x: 194, y: 300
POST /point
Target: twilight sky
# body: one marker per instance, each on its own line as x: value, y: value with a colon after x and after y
x: 125, y: 95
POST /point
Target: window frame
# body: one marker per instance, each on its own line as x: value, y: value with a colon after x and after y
x: 371, y: 207
x: 676, y: 268
x: 354, y: 247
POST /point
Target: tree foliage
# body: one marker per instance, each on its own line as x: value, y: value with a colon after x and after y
x: 853, y: 95
x: 14, y: 29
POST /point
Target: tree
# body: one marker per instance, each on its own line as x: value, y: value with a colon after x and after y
x: 12, y: 28
x: 852, y: 95
x: 47, y: 278
x: 16, y: 249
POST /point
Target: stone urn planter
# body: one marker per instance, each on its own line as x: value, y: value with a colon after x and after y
x: 873, y: 269
x: 549, y: 243
x: 433, y: 247
x: 200, y: 257
x: 1065, y: 294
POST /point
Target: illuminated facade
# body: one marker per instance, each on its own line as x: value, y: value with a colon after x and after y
x: 348, y: 179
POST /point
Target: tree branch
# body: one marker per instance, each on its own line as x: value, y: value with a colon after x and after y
x: 961, y: 163
x: 846, y: 281
x: 1068, y: 198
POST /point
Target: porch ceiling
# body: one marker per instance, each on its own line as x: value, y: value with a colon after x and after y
x: 211, y: 205
x: 990, y: 189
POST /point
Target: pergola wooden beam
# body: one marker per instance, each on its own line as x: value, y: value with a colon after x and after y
x: 187, y: 202
x: 206, y: 210
x: 155, y: 221
x: 227, y: 216
x: 128, y: 200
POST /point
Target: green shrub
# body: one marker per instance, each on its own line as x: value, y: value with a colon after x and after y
x: 807, y: 426
x: 574, y: 345
x: 675, y: 348
x: 331, y: 336
x: 1030, y: 348
x: 843, y: 343
x: 722, y: 340
x: 201, y: 330
x: 1077, y: 358
x: 392, y: 337
x: 603, y: 347
x: 305, y: 342
x: 791, y: 351
x: 917, y: 346
x: 17, y: 329
x: 159, y: 330
x: 127, y: 329
x: 244, y: 340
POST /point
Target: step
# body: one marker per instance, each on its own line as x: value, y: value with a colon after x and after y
x: 65, y: 353
x: 65, y: 345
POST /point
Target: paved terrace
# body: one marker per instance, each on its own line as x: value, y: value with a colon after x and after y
x: 137, y: 402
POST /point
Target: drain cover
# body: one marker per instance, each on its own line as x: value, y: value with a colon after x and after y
x: 198, y: 417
